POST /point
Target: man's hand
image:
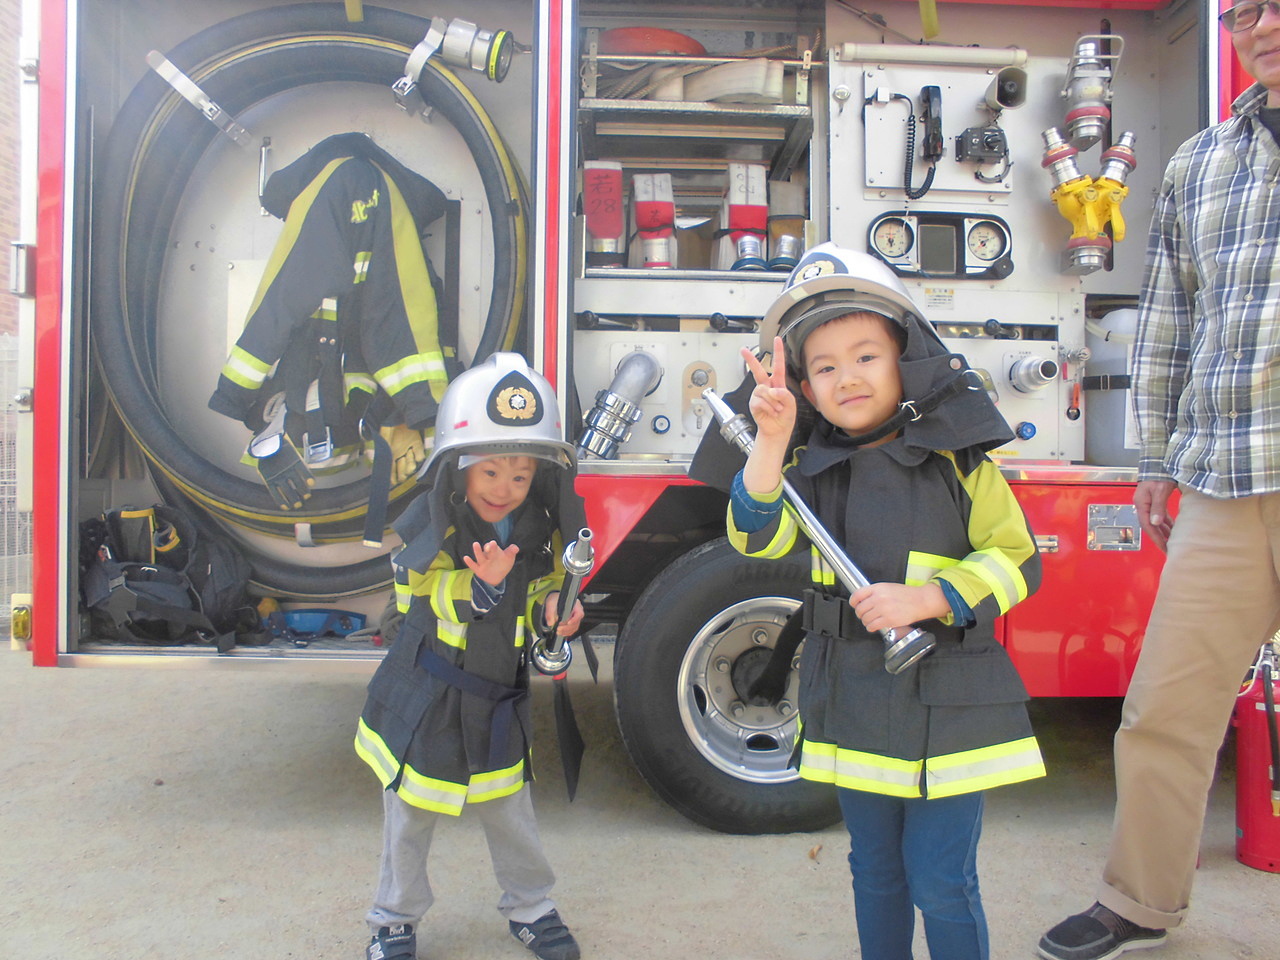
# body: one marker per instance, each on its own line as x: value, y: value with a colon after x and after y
x: 491, y: 562
x: 1151, y: 497
x: 888, y: 606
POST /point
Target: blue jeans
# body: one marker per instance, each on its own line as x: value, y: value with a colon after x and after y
x: 906, y: 852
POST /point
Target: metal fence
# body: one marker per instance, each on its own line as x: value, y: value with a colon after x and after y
x: 15, y: 524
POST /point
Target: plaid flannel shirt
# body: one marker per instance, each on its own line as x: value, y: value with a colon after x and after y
x: 1206, y: 363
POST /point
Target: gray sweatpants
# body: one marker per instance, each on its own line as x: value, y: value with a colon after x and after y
x: 519, y: 864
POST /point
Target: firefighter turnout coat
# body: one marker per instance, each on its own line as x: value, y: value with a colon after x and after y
x: 447, y: 719
x: 956, y: 722
x: 349, y: 269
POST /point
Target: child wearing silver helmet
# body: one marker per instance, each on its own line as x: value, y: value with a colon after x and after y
x: 895, y: 468
x: 446, y: 724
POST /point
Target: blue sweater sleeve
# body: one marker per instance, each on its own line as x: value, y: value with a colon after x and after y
x: 750, y: 514
x: 962, y: 612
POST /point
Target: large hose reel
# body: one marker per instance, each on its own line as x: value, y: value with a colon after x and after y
x: 155, y: 144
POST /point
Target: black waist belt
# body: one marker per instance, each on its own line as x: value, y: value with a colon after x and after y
x: 505, y: 699
x: 830, y: 616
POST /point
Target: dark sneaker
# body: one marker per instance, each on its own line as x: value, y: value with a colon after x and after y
x: 547, y: 937
x: 1097, y: 934
x: 396, y: 942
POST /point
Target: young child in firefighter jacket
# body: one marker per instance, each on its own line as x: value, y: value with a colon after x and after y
x: 447, y: 723
x: 894, y: 467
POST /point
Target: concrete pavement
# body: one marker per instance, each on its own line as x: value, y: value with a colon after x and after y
x: 182, y: 813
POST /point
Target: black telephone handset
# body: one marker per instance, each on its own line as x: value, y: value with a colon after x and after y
x: 934, y: 146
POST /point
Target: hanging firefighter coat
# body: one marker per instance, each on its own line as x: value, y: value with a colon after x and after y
x: 348, y: 286
x: 956, y: 722
x: 447, y: 717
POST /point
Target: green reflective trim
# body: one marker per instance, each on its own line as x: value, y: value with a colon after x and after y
x: 373, y: 751
x: 244, y: 369
x: 419, y: 368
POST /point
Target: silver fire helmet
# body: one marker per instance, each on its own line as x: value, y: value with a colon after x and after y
x: 500, y: 407
x: 828, y: 282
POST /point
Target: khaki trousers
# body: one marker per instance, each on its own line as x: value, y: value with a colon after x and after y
x: 1218, y: 601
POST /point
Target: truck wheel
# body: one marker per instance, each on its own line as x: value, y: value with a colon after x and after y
x: 695, y: 639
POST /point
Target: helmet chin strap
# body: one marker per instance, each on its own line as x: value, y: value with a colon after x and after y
x: 910, y: 411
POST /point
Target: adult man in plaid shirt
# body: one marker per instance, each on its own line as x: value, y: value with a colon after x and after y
x: 1206, y: 390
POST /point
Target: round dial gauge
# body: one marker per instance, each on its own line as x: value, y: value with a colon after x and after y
x: 986, y: 241
x: 892, y: 237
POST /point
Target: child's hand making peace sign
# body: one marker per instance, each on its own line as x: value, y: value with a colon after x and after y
x: 772, y: 405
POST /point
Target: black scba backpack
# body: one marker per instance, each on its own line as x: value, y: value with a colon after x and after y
x: 151, y: 575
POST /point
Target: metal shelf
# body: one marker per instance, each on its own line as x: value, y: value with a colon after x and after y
x: 670, y: 135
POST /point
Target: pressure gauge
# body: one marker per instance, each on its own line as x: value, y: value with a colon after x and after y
x: 942, y: 244
x: 892, y: 237
x: 986, y: 240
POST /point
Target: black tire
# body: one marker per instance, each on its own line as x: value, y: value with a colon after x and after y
x: 692, y: 642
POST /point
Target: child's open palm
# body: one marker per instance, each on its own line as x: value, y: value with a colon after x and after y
x: 491, y: 563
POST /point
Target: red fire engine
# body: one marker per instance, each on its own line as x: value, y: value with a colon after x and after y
x: 626, y: 185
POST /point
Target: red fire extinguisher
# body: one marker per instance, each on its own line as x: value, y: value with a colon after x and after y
x: 1258, y: 766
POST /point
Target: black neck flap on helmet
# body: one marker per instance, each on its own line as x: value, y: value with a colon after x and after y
x: 944, y: 407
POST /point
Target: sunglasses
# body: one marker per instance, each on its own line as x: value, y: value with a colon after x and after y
x: 1245, y: 16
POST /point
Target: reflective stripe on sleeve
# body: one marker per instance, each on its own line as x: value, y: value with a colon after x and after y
x: 419, y: 368
x: 244, y: 369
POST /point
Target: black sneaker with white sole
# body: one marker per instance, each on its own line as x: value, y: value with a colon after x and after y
x: 396, y: 942
x: 547, y: 937
x: 1097, y: 934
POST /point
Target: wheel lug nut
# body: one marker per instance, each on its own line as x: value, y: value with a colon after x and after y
x: 722, y: 664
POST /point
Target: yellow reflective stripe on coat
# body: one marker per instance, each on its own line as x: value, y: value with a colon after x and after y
x: 362, y: 265
x: 453, y: 587
x: 1002, y: 544
x: 1003, y: 578
x: 987, y: 767
x: 855, y: 770
x: 244, y: 369
x: 292, y: 230
x: 428, y: 793
x: 451, y: 633
x: 416, y: 292
x: 495, y: 783
x: 445, y: 796
x: 372, y: 750
x: 761, y: 543
x: 820, y: 572
x: 403, y: 591
x: 965, y: 772
x: 419, y: 368
x: 328, y: 310
x: 923, y: 567
x: 359, y: 381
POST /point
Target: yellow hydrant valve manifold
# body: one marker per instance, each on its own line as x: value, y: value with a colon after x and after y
x: 1089, y: 205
